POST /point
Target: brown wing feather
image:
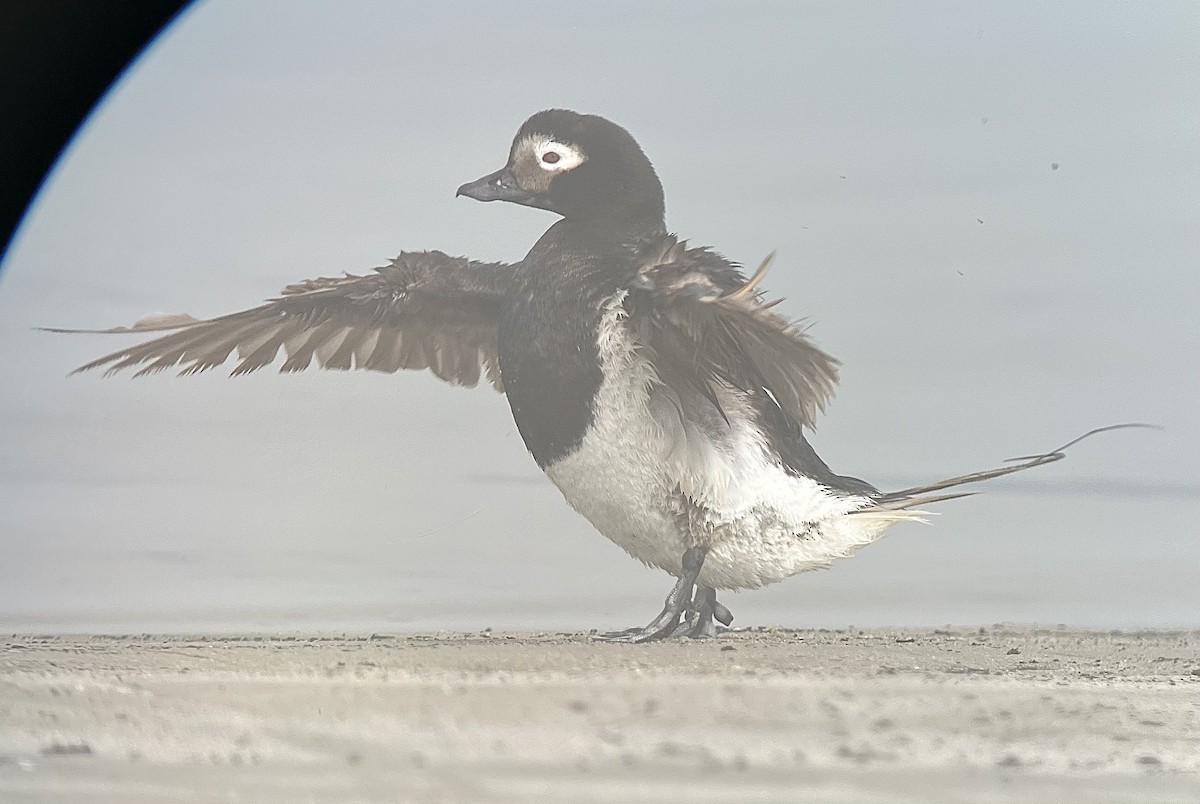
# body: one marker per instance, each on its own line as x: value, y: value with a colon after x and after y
x: 708, y: 324
x: 423, y: 310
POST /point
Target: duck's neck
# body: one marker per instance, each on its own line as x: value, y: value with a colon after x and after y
x: 630, y: 224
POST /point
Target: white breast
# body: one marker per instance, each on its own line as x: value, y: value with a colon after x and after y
x: 646, y: 446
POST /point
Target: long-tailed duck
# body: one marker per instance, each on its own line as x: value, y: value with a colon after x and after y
x: 649, y: 379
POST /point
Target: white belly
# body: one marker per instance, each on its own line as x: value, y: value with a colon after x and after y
x: 642, y: 454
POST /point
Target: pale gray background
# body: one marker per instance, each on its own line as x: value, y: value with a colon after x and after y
x: 898, y: 157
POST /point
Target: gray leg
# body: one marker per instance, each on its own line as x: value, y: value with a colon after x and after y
x: 677, y: 604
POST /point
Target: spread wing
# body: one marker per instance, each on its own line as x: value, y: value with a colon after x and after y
x: 422, y: 310
x: 708, y: 325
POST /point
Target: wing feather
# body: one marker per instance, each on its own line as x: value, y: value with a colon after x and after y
x: 709, y: 325
x: 422, y: 310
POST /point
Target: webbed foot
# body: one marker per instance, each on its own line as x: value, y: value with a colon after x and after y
x: 682, y: 615
x: 703, y: 616
x: 675, y: 607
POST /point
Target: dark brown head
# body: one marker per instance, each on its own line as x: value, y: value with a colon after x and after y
x: 581, y: 166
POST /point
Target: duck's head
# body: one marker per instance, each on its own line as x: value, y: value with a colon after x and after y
x: 579, y: 165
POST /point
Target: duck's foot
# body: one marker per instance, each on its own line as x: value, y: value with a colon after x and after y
x: 678, y: 601
x: 702, y: 617
x: 682, y: 616
x: 724, y: 616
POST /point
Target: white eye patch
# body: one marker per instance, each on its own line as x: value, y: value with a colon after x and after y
x: 557, y: 156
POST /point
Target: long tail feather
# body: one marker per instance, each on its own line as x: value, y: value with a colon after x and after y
x: 905, y: 498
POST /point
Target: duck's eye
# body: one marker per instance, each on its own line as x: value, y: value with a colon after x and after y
x: 555, y: 157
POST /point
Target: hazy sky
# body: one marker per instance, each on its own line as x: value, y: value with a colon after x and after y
x: 898, y: 156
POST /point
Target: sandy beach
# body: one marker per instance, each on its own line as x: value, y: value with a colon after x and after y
x: 1003, y: 713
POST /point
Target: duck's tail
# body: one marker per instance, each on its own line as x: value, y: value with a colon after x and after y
x: 903, y: 504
